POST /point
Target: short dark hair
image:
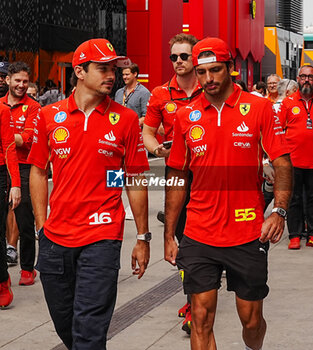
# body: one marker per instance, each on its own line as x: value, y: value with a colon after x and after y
x: 183, y: 38
x: 17, y: 67
x: 133, y: 68
x: 74, y: 78
x: 260, y: 85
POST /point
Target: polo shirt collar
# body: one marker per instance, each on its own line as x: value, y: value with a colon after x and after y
x: 173, y: 83
x: 299, y: 97
x: 231, y: 101
x: 72, y: 106
x: 23, y: 101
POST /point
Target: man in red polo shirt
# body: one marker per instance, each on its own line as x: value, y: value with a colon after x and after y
x: 219, y: 137
x: 92, y: 142
x: 296, y: 115
x: 8, y: 166
x: 164, y: 102
x: 23, y: 110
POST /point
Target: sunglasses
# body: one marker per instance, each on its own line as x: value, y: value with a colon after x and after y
x: 183, y: 57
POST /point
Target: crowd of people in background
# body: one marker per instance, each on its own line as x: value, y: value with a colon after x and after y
x: 291, y: 103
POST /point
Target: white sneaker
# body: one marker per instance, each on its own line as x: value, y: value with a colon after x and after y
x: 129, y: 214
x: 11, y: 255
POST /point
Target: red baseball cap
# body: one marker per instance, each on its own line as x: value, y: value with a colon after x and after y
x: 217, y: 46
x: 100, y: 51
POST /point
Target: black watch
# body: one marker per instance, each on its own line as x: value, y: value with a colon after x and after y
x: 145, y: 237
x: 280, y: 211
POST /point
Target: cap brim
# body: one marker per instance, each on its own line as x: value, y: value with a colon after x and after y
x: 121, y: 61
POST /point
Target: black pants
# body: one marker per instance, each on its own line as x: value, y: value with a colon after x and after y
x: 183, y: 214
x: 25, y: 222
x: 303, y: 180
x: 80, y: 286
x: 3, y: 209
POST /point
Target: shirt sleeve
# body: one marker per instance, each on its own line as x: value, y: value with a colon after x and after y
x: 272, y: 134
x: 8, y: 147
x: 179, y: 156
x: 39, y: 154
x: 28, y: 131
x: 154, y: 115
x: 135, y: 160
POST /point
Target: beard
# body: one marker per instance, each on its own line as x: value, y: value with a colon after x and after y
x: 306, y: 89
x: 4, y: 88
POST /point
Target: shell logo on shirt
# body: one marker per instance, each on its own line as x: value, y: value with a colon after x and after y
x: 244, y: 108
x: 196, y: 133
x: 24, y: 108
x: 295, y: 110
x: 114, y: 118
x: 171, y: 107
x: 60, y: 135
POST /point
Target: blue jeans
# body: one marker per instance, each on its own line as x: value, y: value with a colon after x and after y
x: 80, y: 286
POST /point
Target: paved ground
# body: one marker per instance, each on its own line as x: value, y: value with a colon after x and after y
x: 148, y: 308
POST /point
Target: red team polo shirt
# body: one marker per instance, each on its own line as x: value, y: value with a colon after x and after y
x: 82, y: 149
x: 294, y: 116
x: 164, y: 102
x: 224, y: 151
x: 23, y: 115
x: 7, y: 145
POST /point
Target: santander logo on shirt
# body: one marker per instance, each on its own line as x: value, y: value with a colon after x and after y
x: 243, y: 127
x: 110, y: 136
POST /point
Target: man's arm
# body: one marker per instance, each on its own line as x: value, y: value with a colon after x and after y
x: 138, y: 200
x: 38, y: 184
x: 273, y: 226
x: 152, y: 144
x: 174, y: 201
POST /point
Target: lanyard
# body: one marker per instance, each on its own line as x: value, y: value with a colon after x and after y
x: 309, y: 125
x: 308, y: 111
x: 126, y: 98
x: 198, y: 92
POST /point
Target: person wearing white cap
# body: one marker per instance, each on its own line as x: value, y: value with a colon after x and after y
x: 218, y: 138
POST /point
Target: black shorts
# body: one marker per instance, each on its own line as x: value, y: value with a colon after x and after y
x: 245, y: 265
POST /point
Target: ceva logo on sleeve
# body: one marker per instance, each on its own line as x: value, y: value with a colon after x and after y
x: 115, y: 178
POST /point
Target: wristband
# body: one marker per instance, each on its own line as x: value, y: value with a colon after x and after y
x: 154, y: 152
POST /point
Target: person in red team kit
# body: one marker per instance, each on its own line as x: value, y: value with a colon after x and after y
x: 296, y: 117
x: 8, y: 165
x: 23, y: 111
x: 165, y: 101
x: 219, y: 137
x: 90, y: 141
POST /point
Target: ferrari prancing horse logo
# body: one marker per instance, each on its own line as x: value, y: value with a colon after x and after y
x: 114, y: 118
x: 244, y: 108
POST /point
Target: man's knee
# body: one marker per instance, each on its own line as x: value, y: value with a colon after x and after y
x: 254, y: 324
x: 202, y: 317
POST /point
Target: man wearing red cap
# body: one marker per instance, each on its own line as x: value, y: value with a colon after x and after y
x: 91, y: 142
x: 218, y: 137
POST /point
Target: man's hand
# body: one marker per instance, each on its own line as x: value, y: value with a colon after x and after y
x: 161, y: 151
x: 272, y: 228
x: 269, y: 173
x: 15, y: 197
x: 170, y: 250
x: 140, y: 256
